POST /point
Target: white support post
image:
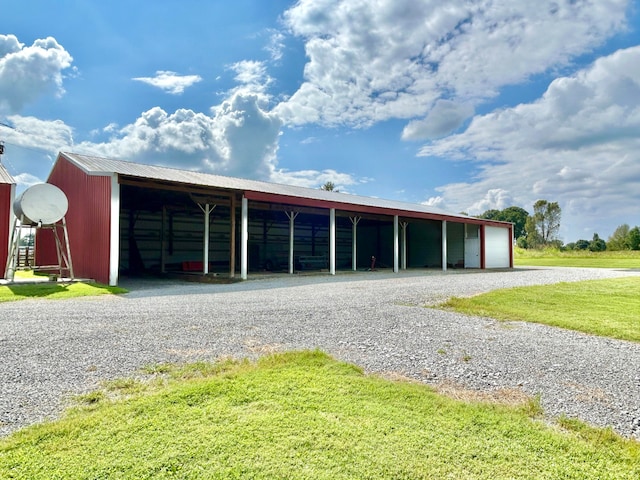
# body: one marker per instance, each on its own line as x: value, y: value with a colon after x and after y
x: 207, y: 209
x: 354, y: 242
x: 292, y: 216
x: 114, y: 243
x: 404, y: 226
x: 244, y: 239
x: 444, y: 245
x: 395, y: 244
x: 332, y: 241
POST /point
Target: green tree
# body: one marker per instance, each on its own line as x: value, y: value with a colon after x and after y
x: 582, y: 244
x: 619, y: 240
x: 634, y: 238
x: 546, y: 219
x: 533, y: 238
x: 491, y: 214
x: 597, y: 244
x: 329, y: 186
x: 518, y: 216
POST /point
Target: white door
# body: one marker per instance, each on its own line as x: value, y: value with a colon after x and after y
x: 471, y: 253
x: 497, y: 252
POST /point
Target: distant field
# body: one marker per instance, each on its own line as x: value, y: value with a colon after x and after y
x: 587, y: 259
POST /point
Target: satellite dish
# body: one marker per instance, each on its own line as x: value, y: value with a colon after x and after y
x: 41, y: 204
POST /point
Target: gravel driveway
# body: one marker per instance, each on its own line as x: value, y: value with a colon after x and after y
x: 52, y: 350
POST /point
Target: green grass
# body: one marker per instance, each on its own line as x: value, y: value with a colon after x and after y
x: 304, y: 415
x: 582, y: 258
x: 52, y: 290
x: 602, y: 307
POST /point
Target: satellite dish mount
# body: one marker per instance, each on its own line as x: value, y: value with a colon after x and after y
x: 42, y: 206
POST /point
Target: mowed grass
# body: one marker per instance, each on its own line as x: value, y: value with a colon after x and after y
x: 52, y: 290
x: 582, y: 258
x: 304, y: 415
x: 609, y: 308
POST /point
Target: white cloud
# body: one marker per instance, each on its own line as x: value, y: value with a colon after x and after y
x: 396, y: 58
x: 578, y: 144
x: 445, y: 117
x: 276, y: 45
x: 316, y: 178
x: 26, y: 73
x: 34, y: 133
x: 239, y: 138
x: 26, y: 180
x: 170, y: 82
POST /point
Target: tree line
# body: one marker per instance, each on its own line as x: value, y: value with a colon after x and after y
x: 540, y: 229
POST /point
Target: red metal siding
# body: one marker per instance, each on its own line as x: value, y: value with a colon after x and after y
x: 88, y: 222
x: 5, y: 220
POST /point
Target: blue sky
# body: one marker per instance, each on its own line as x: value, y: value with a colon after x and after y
x: 463, y: 105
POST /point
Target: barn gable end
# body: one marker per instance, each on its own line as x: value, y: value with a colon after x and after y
x: 88, y: 222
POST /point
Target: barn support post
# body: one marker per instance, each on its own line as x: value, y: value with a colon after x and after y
x: 396, y: 246
x: 114, y: 232
x: 163, y: 240
x: 403, y: 262
x: 207, y: 209
x: 232, y: 237
x: 354, y: 241
x: 244, y: 242
x: 332, y: 241
x: 444, y: 245
x: 292, y: 216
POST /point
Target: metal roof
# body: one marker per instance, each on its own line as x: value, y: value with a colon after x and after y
x: 4, y: 176
x: 105, y: 166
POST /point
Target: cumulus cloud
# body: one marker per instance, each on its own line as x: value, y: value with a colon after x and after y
x: 170, y: 82
x: 578, y: 144
x: 398, y: 58
x: 238, y: 138
x: 26, y: 73
x: 445, y: 117
x: 26, y: 180
x: 316, y: 178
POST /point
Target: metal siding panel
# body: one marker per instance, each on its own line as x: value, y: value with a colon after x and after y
x: 6, y: 200
x: 88, y: 220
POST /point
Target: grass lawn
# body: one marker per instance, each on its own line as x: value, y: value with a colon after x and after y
x: 304, y: 415
x: 52, y: 290
x: 583, y: 258
x: 601, y: 307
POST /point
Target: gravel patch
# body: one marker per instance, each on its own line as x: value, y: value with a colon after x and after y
x: 53, y: 350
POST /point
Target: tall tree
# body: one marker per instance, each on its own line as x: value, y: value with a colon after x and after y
x: 619, y: 239
x: 546, y: 218
x: 634, y: 238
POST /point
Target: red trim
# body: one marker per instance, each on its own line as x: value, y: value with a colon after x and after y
x: 511, y: 246
x: 482, y: 248
x: 350, y: 207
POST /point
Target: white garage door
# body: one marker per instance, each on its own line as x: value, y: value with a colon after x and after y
x: 497, y: 251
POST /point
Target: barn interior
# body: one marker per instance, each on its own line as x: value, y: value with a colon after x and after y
x: 162, y: 231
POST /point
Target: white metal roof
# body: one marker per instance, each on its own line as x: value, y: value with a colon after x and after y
x: 105, y: 166
x: 5, y: 177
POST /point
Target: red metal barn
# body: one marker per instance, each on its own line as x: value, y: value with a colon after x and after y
x: 128, y: 218
x: 7, y: 195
